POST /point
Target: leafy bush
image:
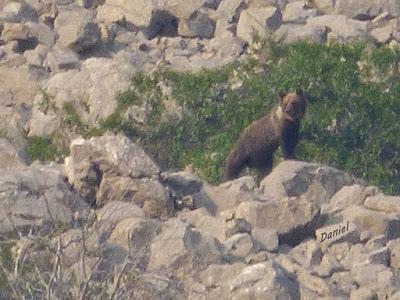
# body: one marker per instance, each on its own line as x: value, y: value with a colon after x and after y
x: 41, y: 148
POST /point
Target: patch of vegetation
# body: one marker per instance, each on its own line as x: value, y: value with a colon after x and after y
x: 6, y: 261
x: 143, y: 88
x: 71, y: 119
x: 47, y: 103
x: 44, y: 148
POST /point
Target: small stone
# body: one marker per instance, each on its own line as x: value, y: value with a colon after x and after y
x: 297, y: 12
x: 62, y: 59
x: 289, y: 263
x: 77, y: 30
x: 240, y: 244
x: 15, y: 31
x: 258, y: 21
x: 266, y: 238
x: 37, y: 56
x: 307, y: 254
x: 314, y: 283
x: 367, y: 275
x: 394, y: 247
x: 329, y: 265
x: 197, y: 25
x: 363, y: 293
x: 237, y: 226
x: 384, y: 203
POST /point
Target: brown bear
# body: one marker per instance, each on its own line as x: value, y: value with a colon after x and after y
x: 257, y: 143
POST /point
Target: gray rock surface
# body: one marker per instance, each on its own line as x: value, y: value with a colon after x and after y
x: 76, y: 29
x: 259, y: 21
x: 35, y: 198
x: 116, y: 228
x: 112, y: 168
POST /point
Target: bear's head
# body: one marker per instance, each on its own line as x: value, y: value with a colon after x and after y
x: 293, y: 105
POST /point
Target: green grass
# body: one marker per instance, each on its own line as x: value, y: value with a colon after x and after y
x: 363, y: 101
x: 354, y: 86
x: 41, y: 148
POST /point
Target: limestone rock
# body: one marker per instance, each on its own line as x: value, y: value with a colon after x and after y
x: 266, y: 239
x: 342, y: 29
x: 258, y: 21
x: 263, y: 280
x: 237, y: 226
x: 218, y: 275
x: 183, y: 183
x: 348, y: 196
x: 289, y: 33
x: 293, y: 218
x: 307, y: 254
x: 362, y: 293
x: 197, y: 25
x: 366, y: 9
x: 62, y: 59
x: 394, y: 247
x: 380, y: 202
x: 314, y: 283
x: 116, y: 211
x: 36, y: 196
x: 92, y: 89
x: 134, y: 234
x: 297, y: 12
x: 15, y: 31
x: 114, y: 153
x: 111, y: 168
x: 240, y: 244
x: 42, y: 33
x: 147, y: 193
x: 207, y: 224
x: 37, y: 56
x: 76, y: 29
x: 324, y: 6
x: 230, y: 194
x: 376, y: 223
x: 179, y: 247
x: 314, y: 182
x: 10, y: 158
x: 16, y: 12
x: 329, y: 265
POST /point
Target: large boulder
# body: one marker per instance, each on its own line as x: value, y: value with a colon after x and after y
x: 158, y: 18
x: 367, y: 9
x: 263, y: 281
x: 315, y: 183
x: 91, y: 87
x: 181, y: 249
x: 10, y: 157
x: 293, y: 218
x: 36, y: 197
x: 111, y: 168
x: 258, y: 21
x: 342, y: 29
x: 197, y: 25
x: 77, y: 29
x: 17, y: 11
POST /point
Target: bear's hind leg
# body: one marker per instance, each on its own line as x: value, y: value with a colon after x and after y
x: 265, y: 167
x: 233, y: 166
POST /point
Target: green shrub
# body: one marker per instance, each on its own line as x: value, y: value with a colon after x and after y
x: 45, y: 148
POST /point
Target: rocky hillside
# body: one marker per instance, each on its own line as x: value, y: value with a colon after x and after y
x: 55, y: 55
x: 107, y: 224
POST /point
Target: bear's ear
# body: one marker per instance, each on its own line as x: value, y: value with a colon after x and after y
x: 299, y: 91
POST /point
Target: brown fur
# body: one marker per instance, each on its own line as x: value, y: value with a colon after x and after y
x: 257, y: 143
